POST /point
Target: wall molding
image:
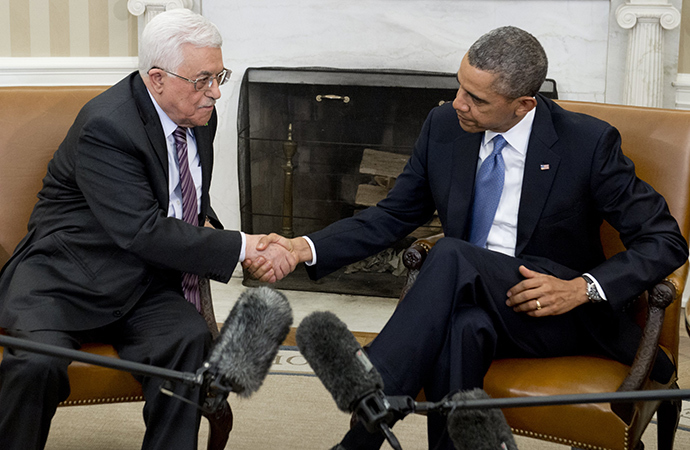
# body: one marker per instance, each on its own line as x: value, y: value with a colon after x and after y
x: 68, y: 71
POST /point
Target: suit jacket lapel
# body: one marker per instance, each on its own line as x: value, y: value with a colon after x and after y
x: 541, y: 166
x: 464, y: 167
x: 152, y: 123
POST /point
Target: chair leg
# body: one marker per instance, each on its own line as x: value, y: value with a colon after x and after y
x: 668, y: 416
x: 220, y: 425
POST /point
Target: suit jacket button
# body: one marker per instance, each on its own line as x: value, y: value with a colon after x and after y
x: 117, y: 313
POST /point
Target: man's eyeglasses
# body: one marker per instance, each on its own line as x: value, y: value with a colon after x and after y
x: 204, y: 83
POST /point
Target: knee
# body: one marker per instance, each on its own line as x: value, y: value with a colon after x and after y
x: 447, y: 250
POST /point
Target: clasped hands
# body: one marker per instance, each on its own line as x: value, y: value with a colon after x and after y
x: 272, y: 257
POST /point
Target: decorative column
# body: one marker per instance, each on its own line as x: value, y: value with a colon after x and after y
x: 647, y: 20
x: 151, y: 8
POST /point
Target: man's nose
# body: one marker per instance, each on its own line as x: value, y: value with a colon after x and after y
x: 214, y: 92
x: 460, y: 104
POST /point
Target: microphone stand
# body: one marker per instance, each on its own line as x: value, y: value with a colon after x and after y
x: 377, y: 411
x: 447, y: 404
x: 220, y: 391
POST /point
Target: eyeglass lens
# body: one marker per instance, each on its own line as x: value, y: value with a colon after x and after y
x: 207, y: 82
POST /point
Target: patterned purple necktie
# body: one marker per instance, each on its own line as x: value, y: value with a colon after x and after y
x: 190, y: 281
x: 488, y: 187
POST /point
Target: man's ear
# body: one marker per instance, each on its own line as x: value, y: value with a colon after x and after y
x: 524, y: 105
x: 156, y: 80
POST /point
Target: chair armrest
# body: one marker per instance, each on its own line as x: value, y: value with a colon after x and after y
x: 413, y: 258
x: 661, y: 296
x: 207, y: 306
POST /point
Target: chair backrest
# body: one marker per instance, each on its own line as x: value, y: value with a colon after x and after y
x: 658, y: 142
x: 34, y: 122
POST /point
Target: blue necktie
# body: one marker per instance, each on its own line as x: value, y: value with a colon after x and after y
x: 190, y: 281
x: 488, y: 187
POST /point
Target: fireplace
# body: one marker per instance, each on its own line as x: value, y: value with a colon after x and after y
x: 318, y: 144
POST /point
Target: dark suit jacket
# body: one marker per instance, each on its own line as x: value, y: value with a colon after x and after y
x: 588, y: 180
x: 99, y: 234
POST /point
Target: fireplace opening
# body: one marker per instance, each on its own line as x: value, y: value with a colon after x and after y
x: 318, y: 144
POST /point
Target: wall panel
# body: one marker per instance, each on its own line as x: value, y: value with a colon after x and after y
x: 43, y: 28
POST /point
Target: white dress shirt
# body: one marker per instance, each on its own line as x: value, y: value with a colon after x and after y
x: 503, y: 233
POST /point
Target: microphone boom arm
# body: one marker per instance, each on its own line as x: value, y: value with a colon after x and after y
x: 104, y: 361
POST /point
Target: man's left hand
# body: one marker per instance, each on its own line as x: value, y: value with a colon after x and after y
x: 545, y: 295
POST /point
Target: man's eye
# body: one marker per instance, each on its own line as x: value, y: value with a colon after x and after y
x: 203, y: 81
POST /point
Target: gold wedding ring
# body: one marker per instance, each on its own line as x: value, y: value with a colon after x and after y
x: 538, y: 305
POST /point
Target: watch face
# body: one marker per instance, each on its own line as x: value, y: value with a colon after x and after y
x: 592, y: 292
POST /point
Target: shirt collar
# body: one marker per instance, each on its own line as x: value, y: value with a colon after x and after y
x: 518, y: 136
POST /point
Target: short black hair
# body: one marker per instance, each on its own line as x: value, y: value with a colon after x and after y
x: 515, y: 56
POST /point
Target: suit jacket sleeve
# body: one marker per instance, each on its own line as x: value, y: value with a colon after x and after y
x: 654, y: 244
x: 118, y: 173
x: 408, y: 205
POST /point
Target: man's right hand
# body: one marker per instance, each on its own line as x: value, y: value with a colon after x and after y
x: 270, y: 258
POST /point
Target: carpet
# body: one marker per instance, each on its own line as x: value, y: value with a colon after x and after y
x: 291, y: 411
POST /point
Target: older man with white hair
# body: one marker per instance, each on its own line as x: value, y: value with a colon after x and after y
x: 116, y: 243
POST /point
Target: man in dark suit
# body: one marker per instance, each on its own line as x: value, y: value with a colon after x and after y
x: 520, y: 271
x: 116, y: 241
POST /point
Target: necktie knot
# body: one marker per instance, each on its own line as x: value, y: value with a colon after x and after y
x: 180, y: 135
x: 499, y: 143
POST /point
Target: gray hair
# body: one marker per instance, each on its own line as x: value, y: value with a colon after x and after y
x: 515, y: 56
x: 163, y: 37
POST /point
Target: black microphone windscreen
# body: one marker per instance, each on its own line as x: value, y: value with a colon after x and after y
x: 250, y: 338
x: 337, y: 359
x: 478, y: 429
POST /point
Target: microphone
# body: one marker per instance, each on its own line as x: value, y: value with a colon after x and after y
x: 344, y: 369
x: 337, y: 359
x: 472, y: 429
x: 248, y: 342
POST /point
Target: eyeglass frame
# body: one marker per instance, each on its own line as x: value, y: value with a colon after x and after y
x: 225, y: 79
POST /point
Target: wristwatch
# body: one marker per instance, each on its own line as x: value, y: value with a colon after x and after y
x: 592, y: 291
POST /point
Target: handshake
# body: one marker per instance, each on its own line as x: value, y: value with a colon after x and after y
x: 272, y: 257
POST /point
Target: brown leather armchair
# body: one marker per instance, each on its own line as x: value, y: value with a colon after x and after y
x: 658, y: 142
x: 28, y: 138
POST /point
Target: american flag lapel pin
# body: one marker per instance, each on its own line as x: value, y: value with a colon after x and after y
x: 544, y: 167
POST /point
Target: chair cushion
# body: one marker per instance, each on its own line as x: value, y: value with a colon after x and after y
x: 559, y: 376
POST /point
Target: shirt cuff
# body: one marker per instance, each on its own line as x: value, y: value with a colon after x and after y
x: 598, y: 286
x: 243, y: 249
x: 313, y: 251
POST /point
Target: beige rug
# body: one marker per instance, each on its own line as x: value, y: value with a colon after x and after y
x: 292, y: 410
